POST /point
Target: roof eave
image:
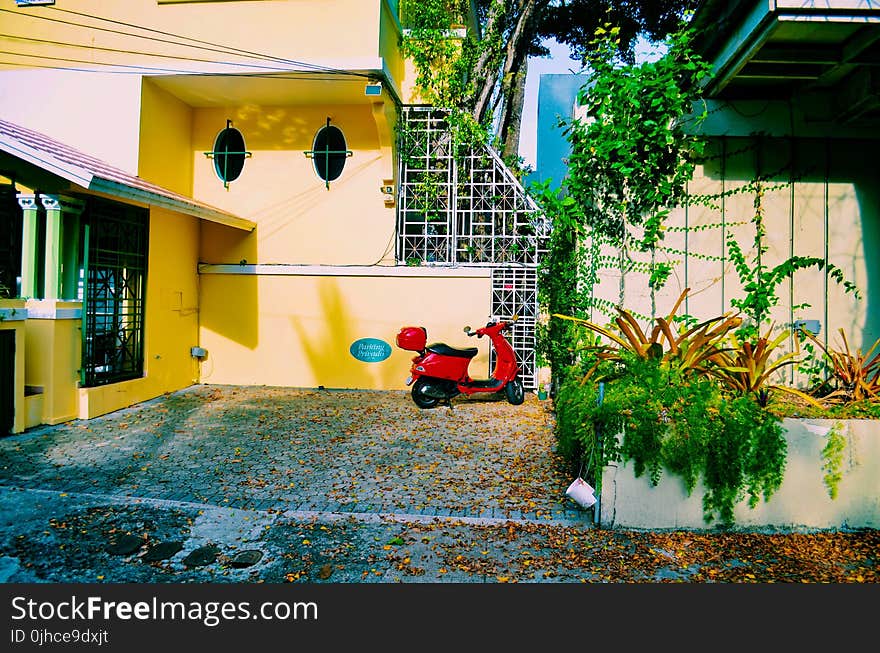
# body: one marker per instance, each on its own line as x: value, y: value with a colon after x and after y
x: 117, y: 189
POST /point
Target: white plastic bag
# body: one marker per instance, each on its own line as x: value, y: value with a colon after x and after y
x: 581, y: 493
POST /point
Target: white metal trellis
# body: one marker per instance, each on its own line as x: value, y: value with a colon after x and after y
x: 464, y: 209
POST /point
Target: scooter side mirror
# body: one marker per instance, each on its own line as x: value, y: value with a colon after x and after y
x: 467, y: 329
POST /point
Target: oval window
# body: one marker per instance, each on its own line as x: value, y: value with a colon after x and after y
x: 229, y: 154
x: 329, y: 153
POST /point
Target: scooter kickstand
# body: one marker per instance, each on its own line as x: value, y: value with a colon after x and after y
x: 449, y: 403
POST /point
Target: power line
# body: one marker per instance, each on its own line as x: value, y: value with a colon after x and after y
x: 229, y: 49
x: 135, y: 52
x: 310, y: 76
x: 68, y: 68
x: 96, y: 63
x: 290, y: 76
x: 206, y: 45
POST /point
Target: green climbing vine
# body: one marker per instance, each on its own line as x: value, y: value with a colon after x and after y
x: 832, y: 459
x: 632, y: 157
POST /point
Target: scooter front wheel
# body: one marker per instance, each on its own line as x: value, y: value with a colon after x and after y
x: 420, y: 398
x: 514, y: 392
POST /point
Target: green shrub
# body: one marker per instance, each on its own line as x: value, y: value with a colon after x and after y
x: 659, y: 418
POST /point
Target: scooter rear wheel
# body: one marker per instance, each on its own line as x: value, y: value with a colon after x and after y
x: 514, y: 392
x: 420, y: 398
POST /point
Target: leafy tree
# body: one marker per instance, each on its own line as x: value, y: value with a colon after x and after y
x: 484, y: 75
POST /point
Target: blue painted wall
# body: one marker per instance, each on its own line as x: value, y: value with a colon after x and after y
x: 556, y: 99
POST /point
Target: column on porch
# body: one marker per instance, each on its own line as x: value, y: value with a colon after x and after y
x: 62, y: 246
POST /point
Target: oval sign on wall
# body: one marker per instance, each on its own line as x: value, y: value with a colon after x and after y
x: 370, y: 350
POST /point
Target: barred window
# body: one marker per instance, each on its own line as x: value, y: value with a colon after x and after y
x: 116, y: 237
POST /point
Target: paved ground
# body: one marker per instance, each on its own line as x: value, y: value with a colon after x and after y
x: 257, y: 484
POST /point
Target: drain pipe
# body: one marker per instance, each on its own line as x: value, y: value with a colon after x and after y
x: 597, y: 507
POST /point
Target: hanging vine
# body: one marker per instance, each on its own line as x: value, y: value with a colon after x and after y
x: 632, y: 157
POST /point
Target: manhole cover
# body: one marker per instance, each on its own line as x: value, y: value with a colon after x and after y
x: 162, y: 551
x: 202, y: 556
x: 245, y: 558
x: 125, y: 544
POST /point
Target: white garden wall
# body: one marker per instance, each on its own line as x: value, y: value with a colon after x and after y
x: 802, y: 501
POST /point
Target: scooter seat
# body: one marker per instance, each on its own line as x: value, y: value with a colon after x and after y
x: 445, y: 350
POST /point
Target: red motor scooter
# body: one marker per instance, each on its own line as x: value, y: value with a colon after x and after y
x: 440, y: 372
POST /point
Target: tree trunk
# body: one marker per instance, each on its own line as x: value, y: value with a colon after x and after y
x: 487, y: 67
x: 514, y: 58
x: 511, y: 117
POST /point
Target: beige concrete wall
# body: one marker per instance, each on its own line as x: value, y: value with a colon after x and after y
x: 821, y: 200
x: 802, y: 500
x: 73, y: 107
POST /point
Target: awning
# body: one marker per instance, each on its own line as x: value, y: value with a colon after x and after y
x: 76, y: 167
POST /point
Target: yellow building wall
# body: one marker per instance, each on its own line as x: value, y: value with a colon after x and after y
x: 171, y: 322
x: 297, y: 330
x: 101, y: 111
x: 291, y: 30
x: 299, y: 220
x: 389, y: 42
x: 165, y: 155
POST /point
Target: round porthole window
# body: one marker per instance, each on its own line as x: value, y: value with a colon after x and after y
x: 329, y: 152
x: 229, y: 154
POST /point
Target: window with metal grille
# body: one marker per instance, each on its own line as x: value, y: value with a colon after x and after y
x: 328, y: 153
x: 115, y: 243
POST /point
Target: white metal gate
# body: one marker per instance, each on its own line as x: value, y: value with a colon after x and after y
x: 515, y: 292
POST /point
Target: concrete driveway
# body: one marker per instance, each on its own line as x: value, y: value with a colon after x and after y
x: 226, y: 469
x: 280, y: 485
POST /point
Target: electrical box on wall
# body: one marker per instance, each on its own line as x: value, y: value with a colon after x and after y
x: 198, y: 352
x: 387, y: 190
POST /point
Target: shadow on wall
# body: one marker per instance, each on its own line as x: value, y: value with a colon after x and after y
x: 229, y: 303
x: 868, y: 196
x: 815, y: 187
x: 325, y: 346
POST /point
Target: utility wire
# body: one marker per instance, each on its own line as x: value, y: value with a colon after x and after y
x: 230, y: 49
x: 205, y: 45
x: 291, y: 76
x: 85, y: 61
x: 133, y: 52
x: 68, y: 68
